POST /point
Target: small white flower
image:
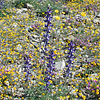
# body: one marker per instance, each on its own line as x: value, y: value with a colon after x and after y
x: 86, y: 56
x: 19, y: 47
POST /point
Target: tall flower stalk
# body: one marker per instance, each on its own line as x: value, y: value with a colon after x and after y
x: 49, y: 55
x: 70, y: 57
x: 48, y: 28
x: 1, y: 4
x: 50, y: 68
x: 27, y: 67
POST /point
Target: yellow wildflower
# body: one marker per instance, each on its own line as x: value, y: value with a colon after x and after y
x: 40, y: 83
x: 83, y: 14
x: 43, y: 93
x: 57, y: 18
x: 56, y: 11
x: 68, y: 96
x: 63, y: 12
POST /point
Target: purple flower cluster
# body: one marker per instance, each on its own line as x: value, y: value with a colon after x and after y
x: 1, y: 4
x: 70, y: 57
x: 48, y: 28
x: 50, y: 56
x: 27, y: 67
x: 50, y: 68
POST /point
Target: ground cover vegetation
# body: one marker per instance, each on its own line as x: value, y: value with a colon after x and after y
x: 49, y: 49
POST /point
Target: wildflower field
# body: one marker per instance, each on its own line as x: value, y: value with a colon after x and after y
x: 49, y: 49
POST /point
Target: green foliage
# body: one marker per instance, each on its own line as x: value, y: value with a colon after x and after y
x: 43, y: 6
x: 39, y: 6
x: 21, y: 3
x: 3, y: 13
x: 65, y: 1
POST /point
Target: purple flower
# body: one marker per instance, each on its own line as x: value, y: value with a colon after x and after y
x: 50, y: 56
x: 48, y: 28
x: 1, y: 4
x: 50, y: 67
x: 70, y: 57
x: 27, y: 67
